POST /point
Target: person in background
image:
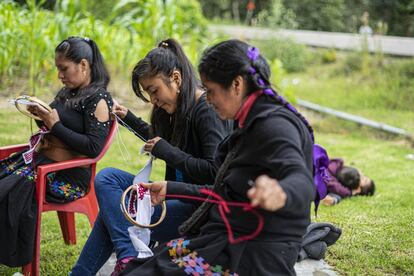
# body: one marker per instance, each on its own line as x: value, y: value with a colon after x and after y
x: 365, y: 29
x: 346, y: 182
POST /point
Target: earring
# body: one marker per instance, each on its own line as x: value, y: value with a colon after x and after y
x: 178, y: 91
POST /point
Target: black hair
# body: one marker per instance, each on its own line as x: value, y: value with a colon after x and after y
x: 76, y: 48
x: 162, y: 61
x: 349, y: 177
x: 370, y: 190
x: 223, y: 62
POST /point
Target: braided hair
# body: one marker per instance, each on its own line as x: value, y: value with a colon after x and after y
x: 229, y: 59
x: 225, y: 61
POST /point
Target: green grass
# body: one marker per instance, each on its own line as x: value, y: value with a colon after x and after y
x: 377, y: 234
x: 377, y: 231
x: 380, y: 95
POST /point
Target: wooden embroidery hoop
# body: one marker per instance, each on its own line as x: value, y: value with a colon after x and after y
x: 32, y: 99
x: 130, y: 219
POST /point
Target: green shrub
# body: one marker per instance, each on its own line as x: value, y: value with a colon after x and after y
x: 407, y: 69
x: 329, y: 56
x: 397, y: 86
x: 294, y: 56
x: 352, y: 63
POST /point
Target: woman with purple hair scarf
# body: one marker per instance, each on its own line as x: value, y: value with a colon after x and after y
x: 266, y: 162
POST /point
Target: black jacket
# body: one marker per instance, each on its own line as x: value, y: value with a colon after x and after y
x: 275, y: 142
x: 195, y: 158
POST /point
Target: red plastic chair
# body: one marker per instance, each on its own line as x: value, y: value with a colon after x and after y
x: 86, y: 205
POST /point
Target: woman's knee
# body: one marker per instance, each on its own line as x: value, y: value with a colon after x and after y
x: 104, y: 178
x: 112, y: 178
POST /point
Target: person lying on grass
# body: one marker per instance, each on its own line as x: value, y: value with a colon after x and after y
x: 346, y: 182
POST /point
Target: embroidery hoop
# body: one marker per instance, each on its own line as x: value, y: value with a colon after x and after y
x: 130, y: 219
x: 32, y: 100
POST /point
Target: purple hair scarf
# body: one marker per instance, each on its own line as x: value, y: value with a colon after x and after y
x: 321, y: 175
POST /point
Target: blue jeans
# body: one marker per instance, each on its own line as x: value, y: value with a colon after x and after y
x: 110, y: 231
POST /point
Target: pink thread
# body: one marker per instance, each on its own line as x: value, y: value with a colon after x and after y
x: 224, y: 209
x: 141, y: 192
x: 131, y: 203
x: 33, y: 142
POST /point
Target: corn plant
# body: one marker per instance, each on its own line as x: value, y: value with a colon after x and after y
x: 29, y: 35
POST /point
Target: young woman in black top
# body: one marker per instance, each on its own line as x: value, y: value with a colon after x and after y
x: 78, y: 125
x: 184, y: 132
x: 271, y: 139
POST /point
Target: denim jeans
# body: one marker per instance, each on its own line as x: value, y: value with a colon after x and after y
x: 110, y: 231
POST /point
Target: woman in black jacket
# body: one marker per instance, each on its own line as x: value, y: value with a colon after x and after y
x: 271, y: 139
x: 184, y: 132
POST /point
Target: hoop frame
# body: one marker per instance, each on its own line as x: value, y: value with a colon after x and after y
x: 34, y: 100
x: 130, y: 219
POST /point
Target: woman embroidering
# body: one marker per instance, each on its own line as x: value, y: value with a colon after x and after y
x: 184, y: 132
x: 77, y: 125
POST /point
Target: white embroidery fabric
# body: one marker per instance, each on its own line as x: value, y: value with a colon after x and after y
x: 140, y: 237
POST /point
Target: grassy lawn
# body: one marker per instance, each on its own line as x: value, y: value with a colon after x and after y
x: 377, y: 96
x: 377, y: 231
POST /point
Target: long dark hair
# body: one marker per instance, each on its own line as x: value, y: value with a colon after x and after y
x: 77, y: 48
x: 223, y: 62
x: 349, y: 177
x: 370, y: 190
x: 162, y: 61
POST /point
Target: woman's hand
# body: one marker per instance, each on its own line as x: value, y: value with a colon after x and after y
x: 157, y: 191
x: 150, y: 144
x: 267, y: 193
x: 328, y: 200
x: 356, y: 191
x: 119, y: 110
x: 48, y: 118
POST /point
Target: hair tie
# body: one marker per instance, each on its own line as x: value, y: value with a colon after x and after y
x: 164, y: 45
x: 252, y: 70
x: 253, y: 53
x: 86, y: 39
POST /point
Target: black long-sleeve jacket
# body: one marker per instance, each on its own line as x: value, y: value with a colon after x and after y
x: 195, y: 158
x: 275, y: 142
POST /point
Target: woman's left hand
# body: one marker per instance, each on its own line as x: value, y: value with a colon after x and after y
x: 48, y: 118
x: 158, y: 190
x: 267, y: 193
x: 150, y: 144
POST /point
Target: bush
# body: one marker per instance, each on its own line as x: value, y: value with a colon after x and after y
x: 398, y: 85
x: 294, y: 56
x: 277, y: 16
x: 387, y: 85
x: 407, y: 69
x: 352, y: 63
x: 329, y: 56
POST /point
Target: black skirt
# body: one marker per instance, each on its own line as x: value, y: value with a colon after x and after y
x: 18, y: 206
x: 212, y: 254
